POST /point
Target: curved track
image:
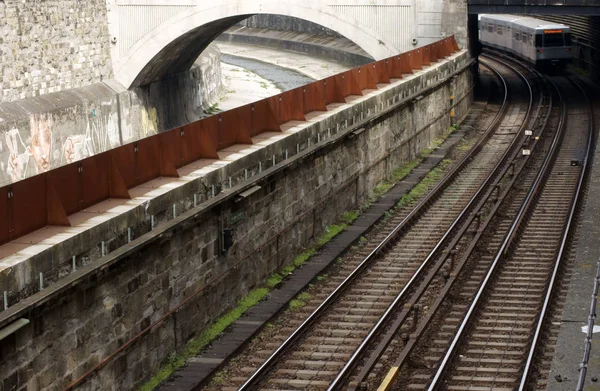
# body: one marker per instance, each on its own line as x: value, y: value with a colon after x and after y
x: 454, y: 293
x: 338, y: 327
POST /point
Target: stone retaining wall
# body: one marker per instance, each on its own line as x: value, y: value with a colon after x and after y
x: 76, y: 329
x: 51, y: 46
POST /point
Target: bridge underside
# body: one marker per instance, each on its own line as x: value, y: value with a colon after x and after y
x: 180, y: 54
x: 549, y: 8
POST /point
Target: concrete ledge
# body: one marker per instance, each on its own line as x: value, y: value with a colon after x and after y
x: 337, y: 49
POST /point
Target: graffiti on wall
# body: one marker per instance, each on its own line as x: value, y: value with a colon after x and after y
x: 149, y: 122
x: 47, y: 141
x: 33, y: 155
x: 101, y: 134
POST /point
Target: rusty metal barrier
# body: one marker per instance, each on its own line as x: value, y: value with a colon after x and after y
x: 49, y: 198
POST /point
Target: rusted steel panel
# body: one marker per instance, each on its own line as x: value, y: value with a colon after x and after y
x: 4, y: 216
x: 208, y: 137
x: 414, y: 59
x: 287, y: 106
x: 56, y: 211
x: 371, y: 76
x: 454, y: 44
x: 124, y: 159
x: 170, y: 152
x: 438, y: 52
x: 118, y: 186
x: 147, y: 160
x: 244, y: 116
x: 191, y: 146
x: 51, y: 197
x: 227, y: 132
x: 95, y: 179
x: 233, y: 128
x: 405, y: 63
x: 296, y: 96
x: 66, y: 181
x: 313, y: 97
x: 29, y: 210
x: 349, y: 82
x: 381, y: 72
x: 426, y: 55
x: 333, y: 90
x: 366, y: 79
x: 263, y: 118
x: 394, y: 67
x: 449, y: 46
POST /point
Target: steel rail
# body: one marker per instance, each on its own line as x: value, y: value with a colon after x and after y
x: 382, y: 246
x: 367, y: 368
x: 392, y: 309
x: 525, y: 207
x: 563, y: 244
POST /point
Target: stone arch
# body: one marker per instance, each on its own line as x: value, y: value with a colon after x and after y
x: 174, y: 45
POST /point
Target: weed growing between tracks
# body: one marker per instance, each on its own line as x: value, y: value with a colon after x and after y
x: 300, y: 301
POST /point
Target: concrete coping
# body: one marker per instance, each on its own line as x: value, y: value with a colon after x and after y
x: 33, y: 244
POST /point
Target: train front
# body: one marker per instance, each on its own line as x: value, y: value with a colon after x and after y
x: 553, y: 47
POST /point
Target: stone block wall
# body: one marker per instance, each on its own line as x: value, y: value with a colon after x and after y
x: 184, y: 264
x: 52, y: 45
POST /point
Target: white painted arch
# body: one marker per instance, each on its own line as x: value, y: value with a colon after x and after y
x: 169, y: 47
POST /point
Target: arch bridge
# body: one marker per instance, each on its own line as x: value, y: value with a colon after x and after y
x: 153, y: 38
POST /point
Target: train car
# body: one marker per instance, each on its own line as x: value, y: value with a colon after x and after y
x: 539, y: 42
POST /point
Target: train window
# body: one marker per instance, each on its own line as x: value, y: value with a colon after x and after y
x: 499, y: 30
x: 567, y: 39
x: 553, y: 40
x: 490, y: 28
x: 538, y: 40
x: 517, y: 36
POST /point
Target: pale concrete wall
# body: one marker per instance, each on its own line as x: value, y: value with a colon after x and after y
x: 454, y: 21
x: 156, y: 38
x: 92, y: 319
x: 50, y: 46
x: 41, y: 133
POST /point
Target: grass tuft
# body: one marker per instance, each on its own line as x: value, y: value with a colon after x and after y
x: 197, y: 344
x: 349, y: 217
x: 300, y: 301
x: 422, y: 187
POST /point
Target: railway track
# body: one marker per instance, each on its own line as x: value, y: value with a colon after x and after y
x: 513, y: 302
x: 483, y: 339
x: 317, y: 353
x: 407, y: 353
x: 455, y: 293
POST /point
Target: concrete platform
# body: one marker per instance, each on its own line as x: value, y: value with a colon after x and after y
x: 568, y: 356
